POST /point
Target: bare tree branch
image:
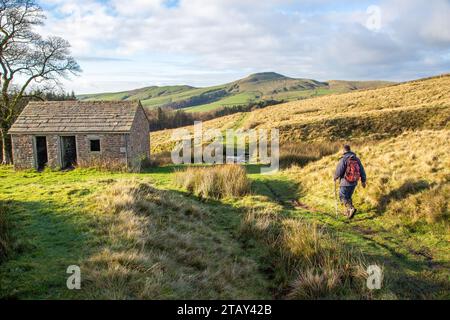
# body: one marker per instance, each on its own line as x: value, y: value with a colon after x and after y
x: 26, y: 55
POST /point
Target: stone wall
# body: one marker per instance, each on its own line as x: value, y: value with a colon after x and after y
x: 116, y: 150
x: 139, y: 140
x: 23, y: 151
x: 53, y: 152
x: 113, y: 150
x: 22, y: 146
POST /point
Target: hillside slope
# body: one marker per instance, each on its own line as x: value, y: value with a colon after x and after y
x: 254, y: 88
x: 363, y: 115
x: 404, y: 214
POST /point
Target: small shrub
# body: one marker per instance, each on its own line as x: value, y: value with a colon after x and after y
x: 431, y: 205
x: 215, y: 182
x: 436, y: 205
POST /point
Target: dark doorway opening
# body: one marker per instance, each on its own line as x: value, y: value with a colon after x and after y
x: 69, y: 152
x: 41, y: 152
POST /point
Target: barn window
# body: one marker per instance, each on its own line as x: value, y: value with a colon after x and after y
x: 95, y: 145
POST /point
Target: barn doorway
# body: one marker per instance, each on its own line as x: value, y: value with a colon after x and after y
x: 68, y: 152
x: 41, y: 152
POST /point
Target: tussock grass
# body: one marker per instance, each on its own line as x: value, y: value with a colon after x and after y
x: 309, y: 262
x: 223, y: 181
x: 160, y: 245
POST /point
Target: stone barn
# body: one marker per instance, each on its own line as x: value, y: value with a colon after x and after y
x: 69, y: 133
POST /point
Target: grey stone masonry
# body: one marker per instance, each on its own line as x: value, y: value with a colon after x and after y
x: 119, y: 129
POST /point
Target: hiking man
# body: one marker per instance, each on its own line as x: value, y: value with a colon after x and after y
x: 349, y: 171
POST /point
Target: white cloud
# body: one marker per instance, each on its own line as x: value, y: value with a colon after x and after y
x: 317, y: 39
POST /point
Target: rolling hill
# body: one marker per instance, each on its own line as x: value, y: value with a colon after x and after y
x: 363, y: 115
x: 254, y: 88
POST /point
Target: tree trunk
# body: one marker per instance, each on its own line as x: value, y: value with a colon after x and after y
x: 6, y: 146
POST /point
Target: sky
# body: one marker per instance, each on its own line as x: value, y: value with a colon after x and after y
x: 123, y: 45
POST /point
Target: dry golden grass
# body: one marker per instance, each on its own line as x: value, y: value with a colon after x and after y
x: 161, y: 140
x: 408, y: 177
x: 160, y: 245
x: 419, y: 94
x: 221, y: 181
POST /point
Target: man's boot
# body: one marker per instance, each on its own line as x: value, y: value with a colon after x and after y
x: 347, y: 209
x: 351, y: 212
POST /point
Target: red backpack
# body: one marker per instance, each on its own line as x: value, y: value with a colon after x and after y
x: 353, y: 171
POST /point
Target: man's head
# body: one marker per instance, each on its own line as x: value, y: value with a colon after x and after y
x: 347, y: 148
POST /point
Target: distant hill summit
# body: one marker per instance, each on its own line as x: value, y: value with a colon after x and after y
x: 256, y: 87
x: 263, y: 76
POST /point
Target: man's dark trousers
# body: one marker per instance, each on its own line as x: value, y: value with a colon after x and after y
x: 346, y: 193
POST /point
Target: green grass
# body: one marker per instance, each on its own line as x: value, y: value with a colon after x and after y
x: 234, y: 100
x: 56, y: 222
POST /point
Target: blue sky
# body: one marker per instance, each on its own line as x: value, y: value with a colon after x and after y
x: 123, y: 45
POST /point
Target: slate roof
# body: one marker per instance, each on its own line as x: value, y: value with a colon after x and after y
x: 76, y: 117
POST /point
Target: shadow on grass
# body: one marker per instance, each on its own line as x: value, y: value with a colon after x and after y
x: 44, y: 240
x: 407, y: 278
x: 407, y: 189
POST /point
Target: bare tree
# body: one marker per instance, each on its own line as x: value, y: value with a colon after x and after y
x: 26, y: 59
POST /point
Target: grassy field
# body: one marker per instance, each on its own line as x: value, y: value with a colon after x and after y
x: 254, y: 88
x: 143, y: 236
x: 177, y: 232
x: 234, y: 100
x: 131, y: 240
